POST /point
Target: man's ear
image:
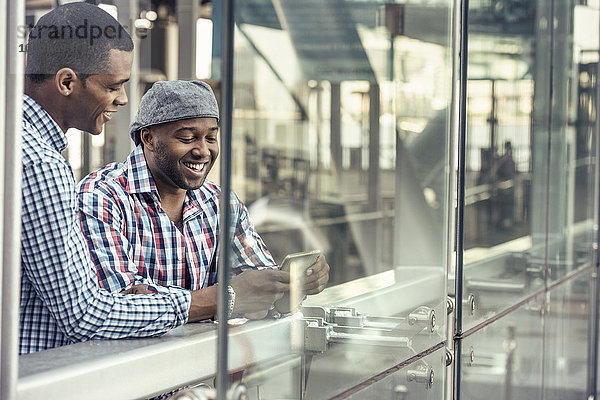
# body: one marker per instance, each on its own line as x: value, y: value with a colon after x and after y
x: 65, y: 80
x: 147, y: 138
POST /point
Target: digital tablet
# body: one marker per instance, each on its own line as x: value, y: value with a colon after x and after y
x: 297, y: 263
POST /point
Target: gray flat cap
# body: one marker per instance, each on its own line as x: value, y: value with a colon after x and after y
x: 169, y: 101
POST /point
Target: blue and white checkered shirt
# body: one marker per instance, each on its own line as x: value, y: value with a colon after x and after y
x: 132, y: 239
x: 61, y: 301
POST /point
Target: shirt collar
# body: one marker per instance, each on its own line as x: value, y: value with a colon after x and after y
x: 199, y: 201
x: 50, y: 131
x: 201, y: 196
x: 139, y: 178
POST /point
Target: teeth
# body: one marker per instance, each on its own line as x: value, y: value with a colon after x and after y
x: 195, y: 167
x: 109, y: 113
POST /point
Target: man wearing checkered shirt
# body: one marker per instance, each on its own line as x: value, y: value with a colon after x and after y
x: 72, y: 82
x: 154, y: 219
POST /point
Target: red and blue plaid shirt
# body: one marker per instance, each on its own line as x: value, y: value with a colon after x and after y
x: 132, y: 240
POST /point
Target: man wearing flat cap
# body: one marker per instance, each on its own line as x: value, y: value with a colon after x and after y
x: 154, y: 219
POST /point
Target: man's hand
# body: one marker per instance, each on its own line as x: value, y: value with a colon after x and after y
x: 313, y: 281
x: 137, y: 289
x: 256, y: 291
x: 317, y: 276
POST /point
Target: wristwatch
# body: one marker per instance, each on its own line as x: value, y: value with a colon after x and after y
x: 231, y: 302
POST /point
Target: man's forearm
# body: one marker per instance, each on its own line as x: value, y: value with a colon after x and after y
x: 204, y: 304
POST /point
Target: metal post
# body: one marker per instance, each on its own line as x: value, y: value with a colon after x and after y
x: 374, y: 173
x: 225, y: 217
x: 4, y: 47
x: 319, y: 167
x: 549, y: 165
x: 460, y: 210
x: 335, y: 141
x: 451, y: 223
x: 133, y: 89
x: 187, y: 15
x: 11, y: 243
x: 595, y: 298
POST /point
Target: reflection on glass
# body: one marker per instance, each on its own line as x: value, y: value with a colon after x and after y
x: 340, y: 143
x: 567, y: 348
x: 498, y: 176
x: 502, y: 360
x: 529, y: 156
x: 422, y: 379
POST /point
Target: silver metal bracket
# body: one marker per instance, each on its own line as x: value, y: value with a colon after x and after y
x: 469, y: 358
x: 420, y: 318
x: 324, y: 326
x: 449, y: 305
x: 422, y: 374
x: 469, y: 303
x: 449, y: 357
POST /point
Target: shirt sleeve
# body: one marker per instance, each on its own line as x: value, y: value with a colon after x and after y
x: 249, y: 250
x: 104, y: 227
x: 57, y: 263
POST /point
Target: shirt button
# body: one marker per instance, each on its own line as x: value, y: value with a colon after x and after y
x: 178, y: 257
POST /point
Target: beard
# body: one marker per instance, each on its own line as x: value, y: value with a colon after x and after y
x: 169, y: 167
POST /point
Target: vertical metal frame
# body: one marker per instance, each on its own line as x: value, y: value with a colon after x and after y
x: 595, y: 298
x: 452, y: 187
x: 552, y: 28
x: 460, y: 193
x: 224, y: 267
x: 4, y: 47
x: 187, y: 15
x: 11, y: 240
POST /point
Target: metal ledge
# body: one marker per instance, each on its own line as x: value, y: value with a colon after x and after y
x: 141, y: 368
x: 137, y: 368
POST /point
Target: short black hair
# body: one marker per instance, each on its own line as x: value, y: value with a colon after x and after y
x: 77, y: 36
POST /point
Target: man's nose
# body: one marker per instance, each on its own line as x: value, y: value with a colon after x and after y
x: 121, y: 97
x: 200, y: 149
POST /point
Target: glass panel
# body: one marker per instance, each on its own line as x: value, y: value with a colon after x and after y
x: 340, y: 143
x: 571, y: 190
x: 529, y: 156
x: 500, y: 153
x: 568, y: 341
x: 504, y: 359
x: 422, y: 379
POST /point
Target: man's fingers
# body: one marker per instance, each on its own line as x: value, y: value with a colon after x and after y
x: 314, y: 276
x: 316, y: 285
x: 318, y: 268
x: 137, y: 289
x: 317, y: 276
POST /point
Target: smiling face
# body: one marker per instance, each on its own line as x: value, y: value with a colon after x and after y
x: 180, y: 154
x: 99, y: 97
